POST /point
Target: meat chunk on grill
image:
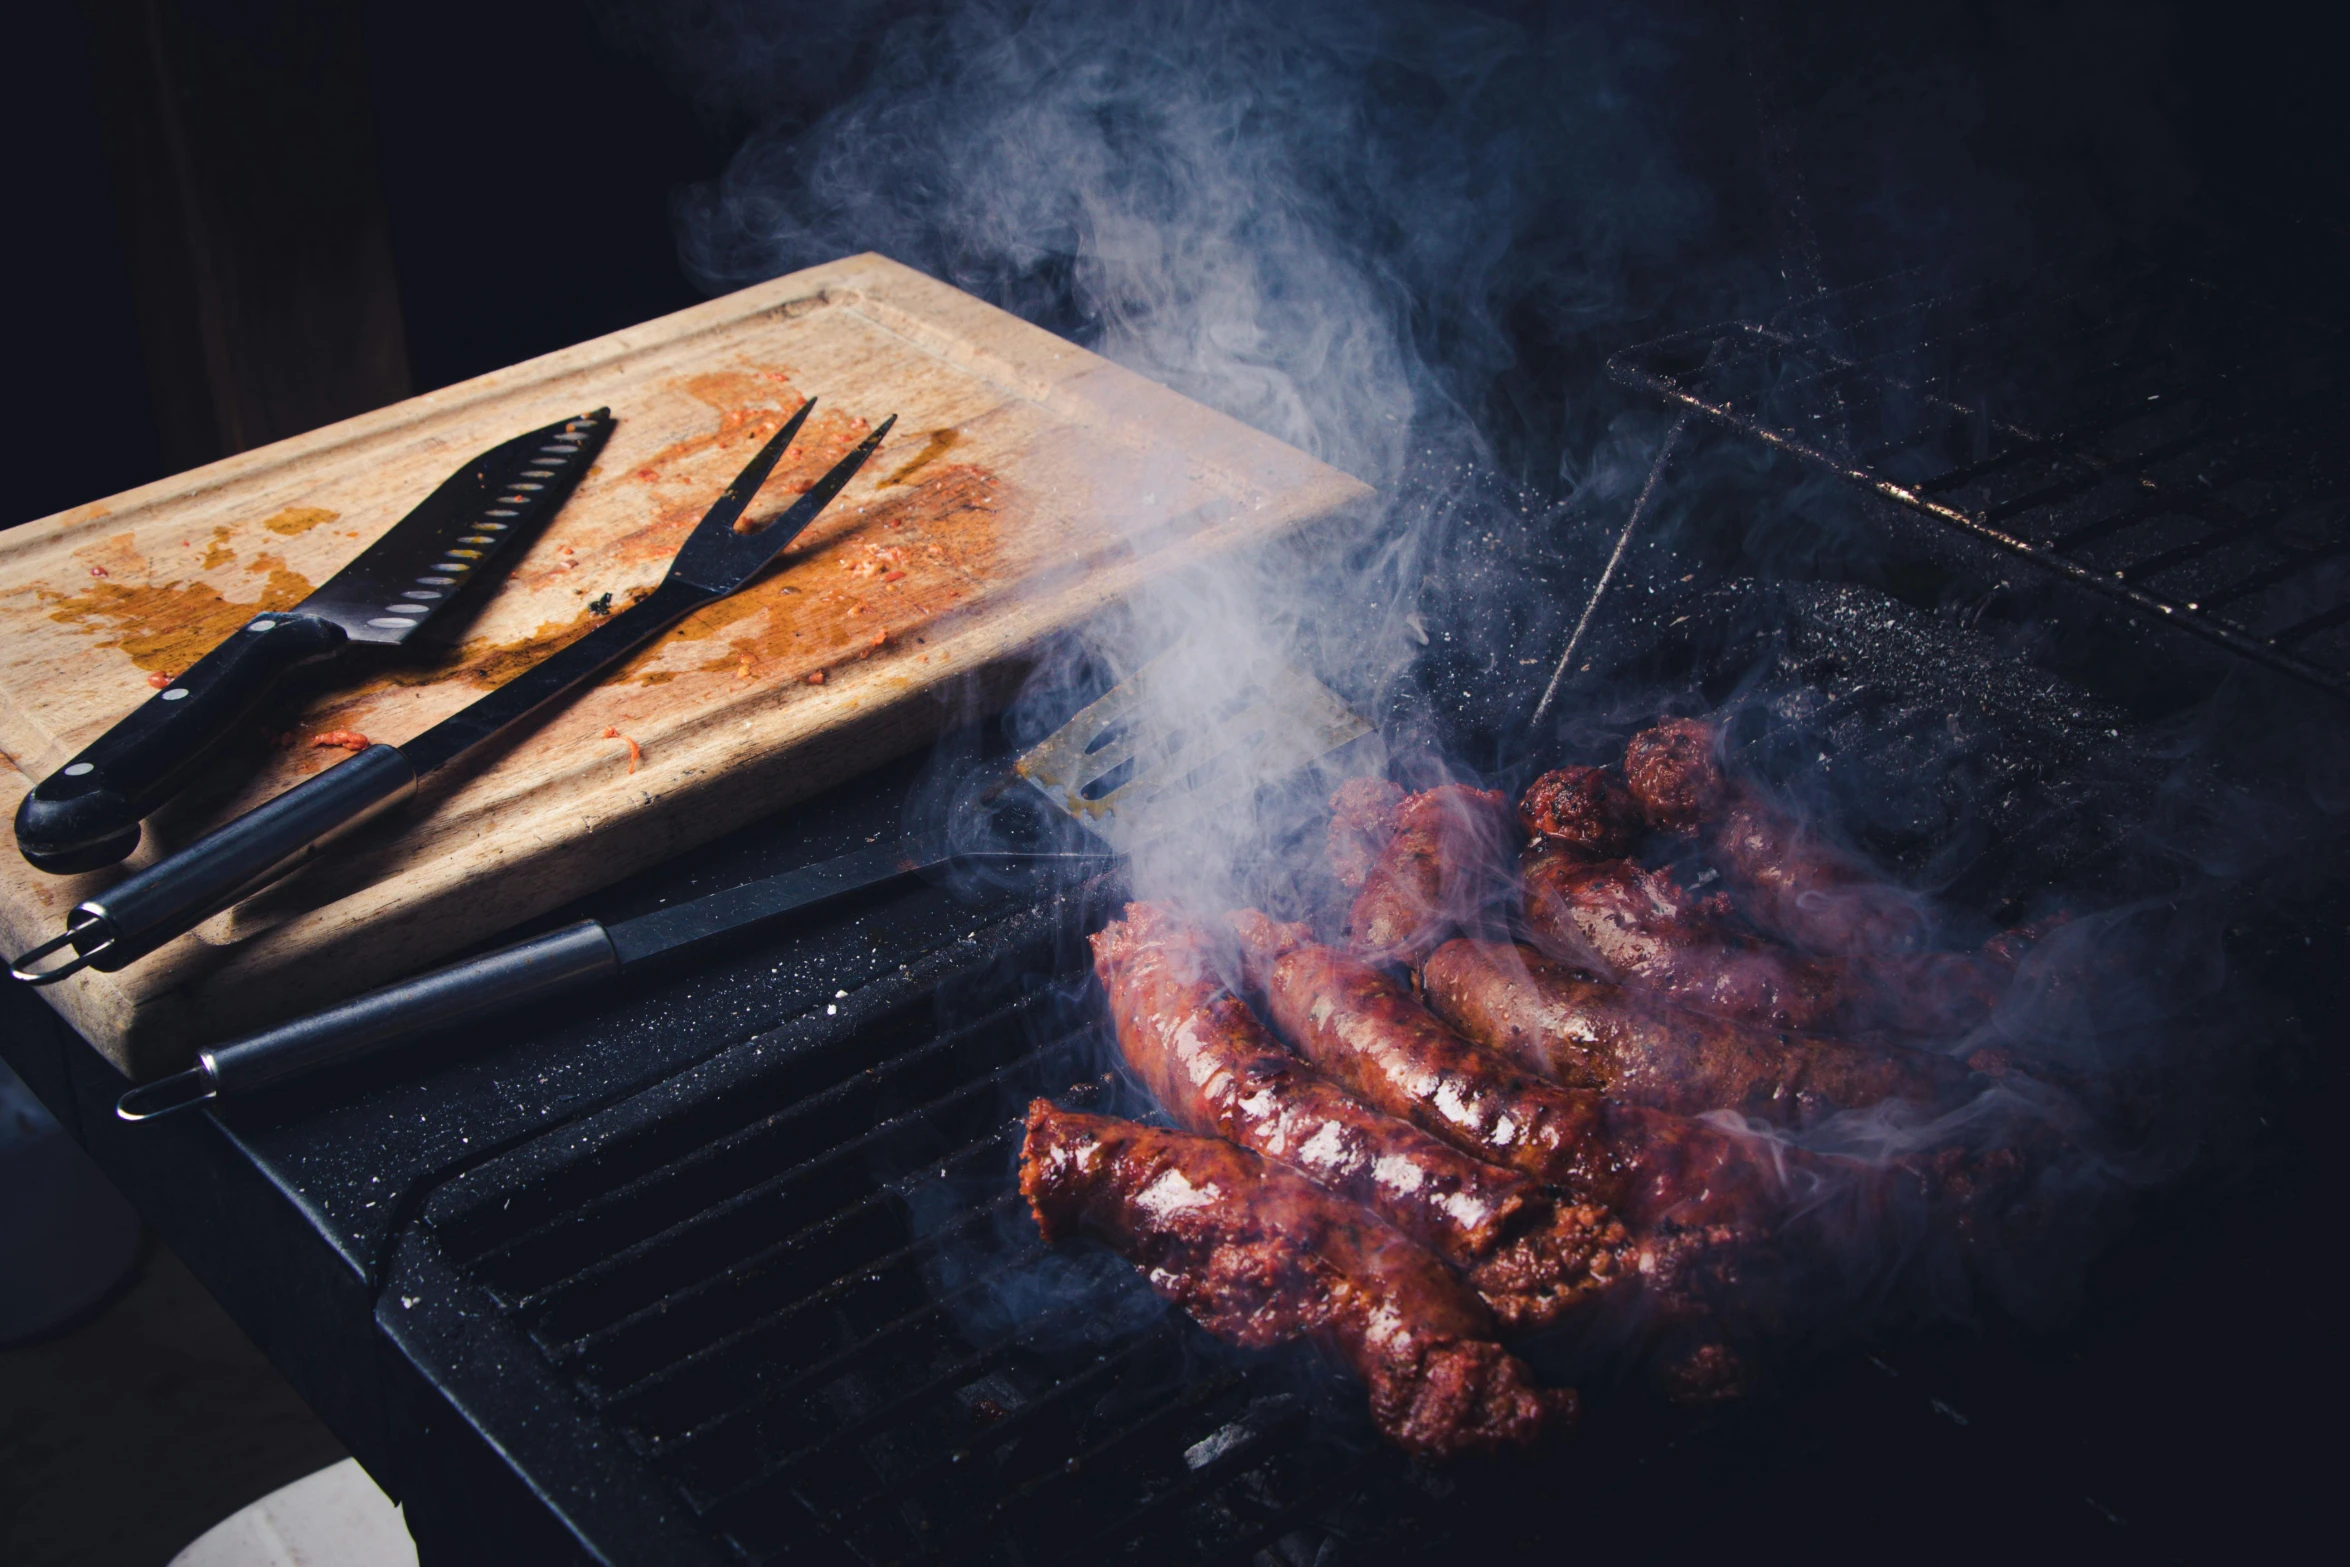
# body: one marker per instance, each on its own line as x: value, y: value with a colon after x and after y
x: 1362, y: 820
x: 1364, y: 1029
x: 1643, y: 929
x: 1550, y: 1019
x: 1790, y: 879
x: 1260, y: 1256
x: 1214, y: 1068
x: 1581, y: 812
x: 1699, y: 1203
x: 1432, y: 874
x: 1868, y: 932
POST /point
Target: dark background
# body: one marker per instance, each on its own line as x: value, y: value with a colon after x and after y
x: 237, y: 226
x: 238, y: 221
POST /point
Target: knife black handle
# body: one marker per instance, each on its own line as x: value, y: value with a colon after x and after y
x: 176, y: 894
x: 87, y: 813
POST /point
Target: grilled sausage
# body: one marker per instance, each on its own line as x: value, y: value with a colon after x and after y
x: 1789, y: 879
x: 1433, y: 873
x: 1551, y: 1020
x: 1260, y: 1256
x: 1868, y: 932
x: 1365, y: 1030
x: 1215, y: 1069
x: 1644, y: 930
x: 1362, y: 820
x: 1580, y: 811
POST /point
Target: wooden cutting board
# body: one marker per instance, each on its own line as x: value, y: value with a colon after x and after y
x: 1028, y: 484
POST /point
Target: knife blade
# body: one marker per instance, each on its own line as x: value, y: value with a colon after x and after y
x: 87, y: 814
x: 574, y: 958
x: 173, y: 896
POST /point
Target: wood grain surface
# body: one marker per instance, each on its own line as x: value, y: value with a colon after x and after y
x: 1028, y: 485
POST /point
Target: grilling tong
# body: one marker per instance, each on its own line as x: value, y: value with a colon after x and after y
x: 1094, y: 770
x: 134, y: 917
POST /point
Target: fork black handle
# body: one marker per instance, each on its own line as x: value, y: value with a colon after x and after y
x: 86, y: 814
x: 175, y: 895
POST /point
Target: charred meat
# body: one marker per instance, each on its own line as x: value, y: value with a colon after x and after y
x: 1642, y: 929
x: 1362, y: 820
x: 1431, y: 875
x: 1550, y: 1019
x: 1790, y: 879
x: 1260, y: 1256
x: 1365, y: 1030
x: 1580, y: 812
x: 1216, y: 1070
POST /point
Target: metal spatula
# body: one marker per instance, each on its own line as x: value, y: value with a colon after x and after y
x: 1105, y: 769
x: 1123, y: 779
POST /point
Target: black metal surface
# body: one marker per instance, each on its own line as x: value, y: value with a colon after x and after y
x: 440, y: 554
x: 460, y: 995
x: 794, y: 1284
x: 457, y: 996
x: 2167, y: 443
x: 681, y: 1268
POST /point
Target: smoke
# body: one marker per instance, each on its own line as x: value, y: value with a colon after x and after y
x: 1404, y: 238
x: 1323, y: 219
x: 1313, y: 216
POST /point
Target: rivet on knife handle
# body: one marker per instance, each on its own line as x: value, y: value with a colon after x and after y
x: 86, y: 814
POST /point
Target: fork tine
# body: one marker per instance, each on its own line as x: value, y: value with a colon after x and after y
x: 737, y: 496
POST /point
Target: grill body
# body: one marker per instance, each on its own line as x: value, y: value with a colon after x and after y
x: 730, y: 1267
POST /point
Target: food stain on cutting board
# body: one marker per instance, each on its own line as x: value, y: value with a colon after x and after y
x: 859, y: 578
x: 297, y: 520
x: 163, y: 627
x: 171, y: 625
x: 890, y: 568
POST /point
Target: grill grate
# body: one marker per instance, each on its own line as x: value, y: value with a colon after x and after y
x: 789, y: 1296
x: 2165, y: 442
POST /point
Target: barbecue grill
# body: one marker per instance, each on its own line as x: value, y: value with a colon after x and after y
x: 732, y: 1267
x: 735, y: 1269
x: 2161, y: 440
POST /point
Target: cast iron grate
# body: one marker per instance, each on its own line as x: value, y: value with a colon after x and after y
x: 791, y: 1297
x: 2164, y: 441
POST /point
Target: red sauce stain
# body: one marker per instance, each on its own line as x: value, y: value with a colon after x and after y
x: 295, y: 520
x: 170, y: 627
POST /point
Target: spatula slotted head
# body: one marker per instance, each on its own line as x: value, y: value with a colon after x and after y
x: 1120, y: 767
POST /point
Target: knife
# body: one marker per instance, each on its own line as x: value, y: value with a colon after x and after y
x: 559, y: 963
x: 87, y: 813
x: 173, y: 896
